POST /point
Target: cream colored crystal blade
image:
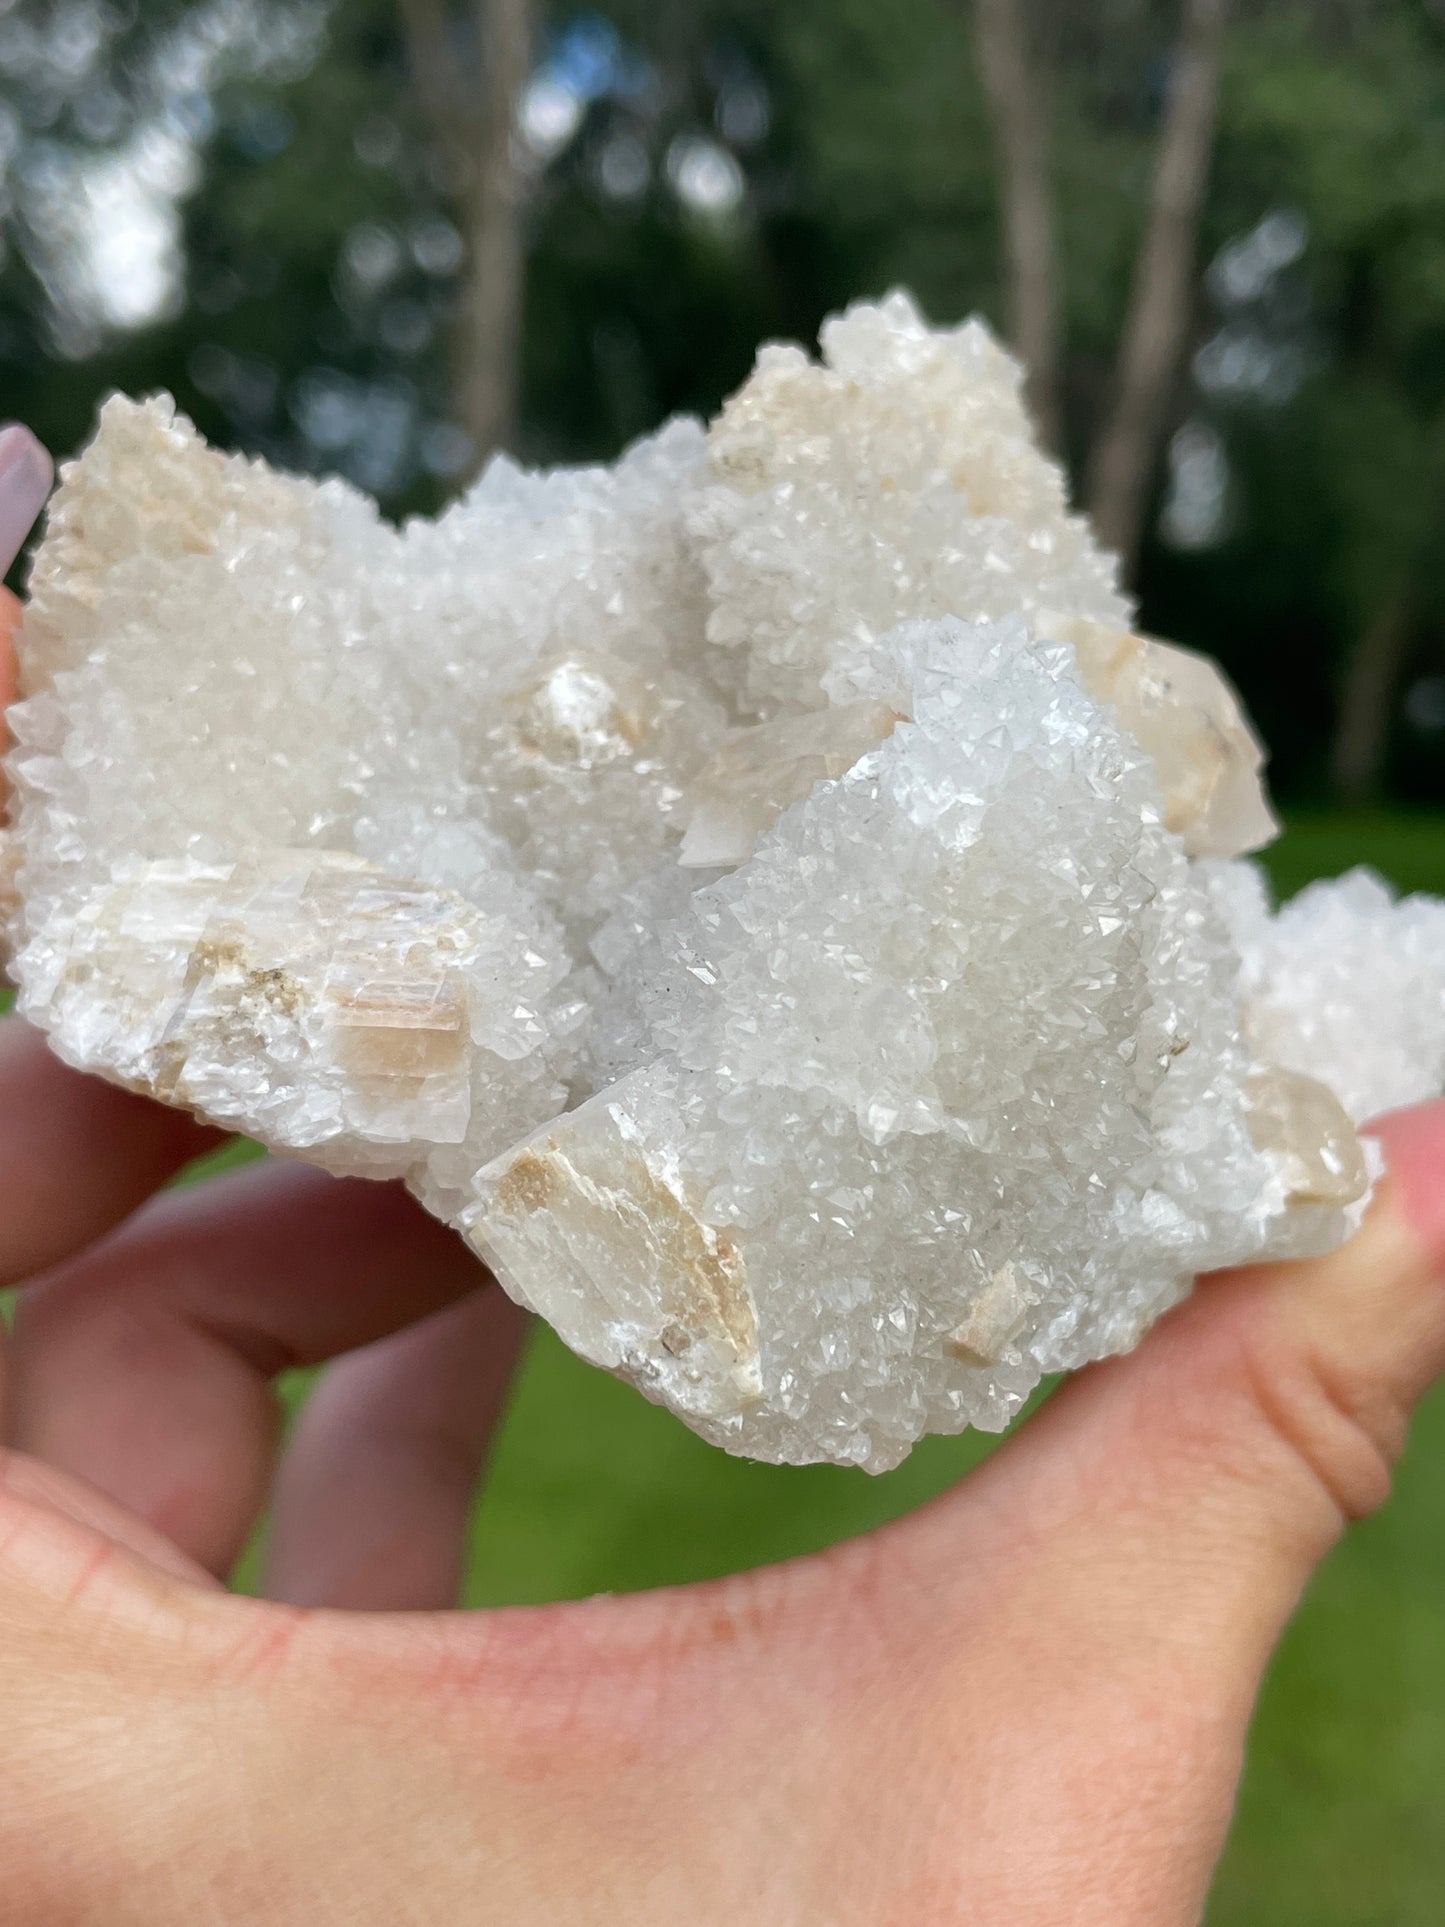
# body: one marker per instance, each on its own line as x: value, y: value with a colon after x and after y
x: 590, y: 1224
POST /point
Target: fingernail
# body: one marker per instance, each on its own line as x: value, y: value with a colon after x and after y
x: 26, y: 472
x: 1414, y: 1142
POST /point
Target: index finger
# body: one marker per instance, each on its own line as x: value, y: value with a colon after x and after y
x: 26, y: 472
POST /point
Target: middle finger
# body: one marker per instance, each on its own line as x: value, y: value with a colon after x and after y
x: 76, y: 1155
x: 145, y: 1364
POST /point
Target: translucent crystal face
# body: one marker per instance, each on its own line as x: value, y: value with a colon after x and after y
x: 764, y: 893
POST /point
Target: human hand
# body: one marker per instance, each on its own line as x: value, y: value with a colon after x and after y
x: 25, y: 473
x: 1027, y: 1703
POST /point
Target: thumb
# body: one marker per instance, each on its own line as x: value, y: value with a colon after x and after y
x: 1196, y: 1484
x: 1112, y: 1580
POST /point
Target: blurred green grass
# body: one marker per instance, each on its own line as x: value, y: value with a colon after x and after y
x: 593, y: 1490
x: 1408, y: 849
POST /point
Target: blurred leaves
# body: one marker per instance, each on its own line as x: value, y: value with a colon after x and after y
x: 708, y: 173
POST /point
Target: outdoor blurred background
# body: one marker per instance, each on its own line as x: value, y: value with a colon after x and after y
x: 382, y: 238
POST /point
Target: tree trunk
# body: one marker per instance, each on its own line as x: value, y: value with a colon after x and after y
x: 1367, y: 702
x: 1157, y: 324
x: 429, y: 58
x: 1014, y: 89
x: 477, y: 125
x: 489, y: 322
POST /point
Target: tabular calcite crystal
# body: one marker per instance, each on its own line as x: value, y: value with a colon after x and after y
x: 766, y: 894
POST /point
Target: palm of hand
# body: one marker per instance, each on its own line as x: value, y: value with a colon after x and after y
x: 1028, y: 1702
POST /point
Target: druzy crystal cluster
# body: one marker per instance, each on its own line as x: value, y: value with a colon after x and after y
x: 764, y: 894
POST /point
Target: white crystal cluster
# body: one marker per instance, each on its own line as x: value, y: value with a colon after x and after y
x: 764, y: 894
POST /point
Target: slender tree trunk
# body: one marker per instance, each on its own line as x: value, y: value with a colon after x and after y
x: 489, y: 323
x: 1157, y: 325
x: 1014, y: 87
x: 429, y: 57
x: 476, y: 121
x: 1367, y: 701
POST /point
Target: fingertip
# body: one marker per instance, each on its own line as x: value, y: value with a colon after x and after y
x: 1414, y: 1146
x: 26, y: 473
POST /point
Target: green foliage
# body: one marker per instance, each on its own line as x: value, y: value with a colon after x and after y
x: 1340, y: 490
x: 872, y: 164
x: 895, y: 146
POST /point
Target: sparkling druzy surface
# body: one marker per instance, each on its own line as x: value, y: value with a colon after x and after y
x: 764, y: 894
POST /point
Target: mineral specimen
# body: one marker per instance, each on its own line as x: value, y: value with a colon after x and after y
x: 765, y: 895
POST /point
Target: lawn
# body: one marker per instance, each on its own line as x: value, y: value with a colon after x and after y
x: 1339, y: 1824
